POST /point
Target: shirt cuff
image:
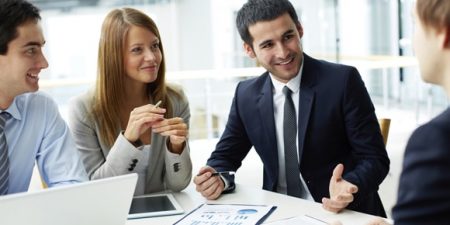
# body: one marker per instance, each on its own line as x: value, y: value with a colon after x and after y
x: 225, y: 182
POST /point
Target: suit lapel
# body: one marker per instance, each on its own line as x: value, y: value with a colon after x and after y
x: 306, y: 100
x: 265, y: 108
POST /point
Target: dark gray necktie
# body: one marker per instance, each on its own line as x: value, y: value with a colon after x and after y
x: 4, y: 161
x: 294, y: 187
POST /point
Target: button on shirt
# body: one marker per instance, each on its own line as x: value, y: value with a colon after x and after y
x: 278, y: 106
x: 35, y: 132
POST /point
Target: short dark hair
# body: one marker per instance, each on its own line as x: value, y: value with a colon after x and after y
x: 261, y: 10
x: 434, y: 13
x: 14, y: 13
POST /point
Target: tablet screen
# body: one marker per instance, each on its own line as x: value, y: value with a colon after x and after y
x: 154, y: 205
x: 151, y: 204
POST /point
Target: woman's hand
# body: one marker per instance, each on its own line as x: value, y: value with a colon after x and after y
x: 176, y: 129
x: 141, y: 119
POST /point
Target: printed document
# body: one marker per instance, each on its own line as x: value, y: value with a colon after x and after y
x: 227, y: 214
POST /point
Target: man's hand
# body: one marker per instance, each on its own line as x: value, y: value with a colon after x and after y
x: 209, y: 186
x: 341, y: 192
x: 378, y: 221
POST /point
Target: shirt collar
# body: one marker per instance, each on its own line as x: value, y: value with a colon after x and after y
x: 293, y: 84
x: 13, y: 110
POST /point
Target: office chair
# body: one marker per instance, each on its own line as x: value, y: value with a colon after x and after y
x: 384, y: 127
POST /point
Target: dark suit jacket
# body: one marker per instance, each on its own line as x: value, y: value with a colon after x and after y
x: 424, y: 189
x: 337, y: 124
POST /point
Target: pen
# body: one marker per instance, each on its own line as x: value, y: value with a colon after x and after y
x: 223, y: 173
x: 158, y: 103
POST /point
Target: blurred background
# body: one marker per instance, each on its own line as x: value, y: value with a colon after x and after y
x: 204, y: 54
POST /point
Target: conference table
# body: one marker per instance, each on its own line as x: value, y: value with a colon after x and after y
x: 287, y: 206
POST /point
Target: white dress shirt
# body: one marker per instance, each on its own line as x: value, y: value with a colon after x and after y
x: 278, y: 107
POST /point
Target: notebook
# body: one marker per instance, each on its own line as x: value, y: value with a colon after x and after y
x: 104, y: 201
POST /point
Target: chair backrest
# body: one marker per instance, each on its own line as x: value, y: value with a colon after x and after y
x: 44, y: 185
x: 384, y: 127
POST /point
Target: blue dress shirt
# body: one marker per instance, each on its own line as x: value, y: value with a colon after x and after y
x: 36, y: 132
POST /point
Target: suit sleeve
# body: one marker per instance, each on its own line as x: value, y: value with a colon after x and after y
x: 234, y: 143
x: 367, y: 147
x: 424, y: 196
x: 97, y: 163
x: 179, y: 167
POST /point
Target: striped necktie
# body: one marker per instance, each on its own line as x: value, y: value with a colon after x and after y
x: 4, y: 161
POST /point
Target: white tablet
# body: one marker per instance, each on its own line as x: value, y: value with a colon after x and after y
x: 154, y: 205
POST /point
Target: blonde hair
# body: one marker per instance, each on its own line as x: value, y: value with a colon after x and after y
x: 109, y: 94
x: 434, y: 13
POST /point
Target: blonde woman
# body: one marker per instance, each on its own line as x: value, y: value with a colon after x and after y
x: 118, y: 127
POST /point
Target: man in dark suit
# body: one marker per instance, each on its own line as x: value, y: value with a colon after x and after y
x: 335, y: 132
x: 424, y: 187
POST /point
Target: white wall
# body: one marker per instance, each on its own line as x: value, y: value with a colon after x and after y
x: 195, y: 28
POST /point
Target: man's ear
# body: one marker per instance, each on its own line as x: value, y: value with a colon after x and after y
x: 299, y: 29
x: 446, y: 43
x: 249, y: 50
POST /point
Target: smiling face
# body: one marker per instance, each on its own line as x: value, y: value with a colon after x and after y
x: 22, y: 63
x: 276, y: 46
x: 142, y: 55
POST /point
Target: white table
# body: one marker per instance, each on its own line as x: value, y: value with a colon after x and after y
x: 286, y: 206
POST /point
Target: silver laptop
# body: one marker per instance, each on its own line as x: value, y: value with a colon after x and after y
x: 99, y: 202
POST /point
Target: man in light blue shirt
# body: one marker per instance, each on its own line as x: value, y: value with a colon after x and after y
x: 33, y: 130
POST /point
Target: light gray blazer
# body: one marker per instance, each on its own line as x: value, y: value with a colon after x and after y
x: 165, y: 170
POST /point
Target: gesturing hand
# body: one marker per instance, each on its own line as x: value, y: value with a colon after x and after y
x: 378, y: 221
x: 341, y: 191
x: 176, y: 129
x: 141, y: 119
